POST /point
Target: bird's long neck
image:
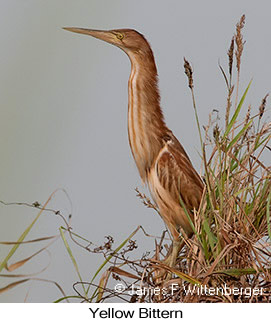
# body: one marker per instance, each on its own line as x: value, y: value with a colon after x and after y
x: 146, y: 125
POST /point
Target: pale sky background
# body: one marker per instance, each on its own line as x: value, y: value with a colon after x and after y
x: 63, y: 122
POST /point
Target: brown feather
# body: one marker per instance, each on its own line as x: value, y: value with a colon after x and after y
x: 161, y: 160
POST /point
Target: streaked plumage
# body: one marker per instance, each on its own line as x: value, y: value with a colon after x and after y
x: 161, y: 160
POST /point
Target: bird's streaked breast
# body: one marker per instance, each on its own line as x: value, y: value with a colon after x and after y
x: 136, y: 122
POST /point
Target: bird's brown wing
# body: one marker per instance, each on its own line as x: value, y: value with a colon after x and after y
x: 178, y: 176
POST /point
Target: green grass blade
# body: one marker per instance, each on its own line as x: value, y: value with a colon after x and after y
x: 67, y: 298
x: 190, y: 221
x: 23, y: 235
x: 205, y: 247
x: 77, y: 235
x: 237, y: 111
x: 185, y: 277
x: 259, y: 143
x: 72, y: 257
x: 211, y: 237
x: 237, y: 137
x: 237, y: 271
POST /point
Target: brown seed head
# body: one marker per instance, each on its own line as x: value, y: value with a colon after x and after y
x: 216, y: 133
x: 262, y: 106
x: 248, y: 115
x: 230, y: 55
x: 239, y: 42
x: 189, y: 72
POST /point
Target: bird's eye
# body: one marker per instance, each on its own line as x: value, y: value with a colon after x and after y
x: 119, y: 36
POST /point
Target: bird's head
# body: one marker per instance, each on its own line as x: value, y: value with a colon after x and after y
x: 129, y: 40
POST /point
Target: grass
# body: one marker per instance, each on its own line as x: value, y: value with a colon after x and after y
x: 230, y: 248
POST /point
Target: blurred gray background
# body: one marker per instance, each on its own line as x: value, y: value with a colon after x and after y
x: 63, y: 100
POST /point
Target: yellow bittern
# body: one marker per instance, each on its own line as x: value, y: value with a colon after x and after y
x: 161, y: 160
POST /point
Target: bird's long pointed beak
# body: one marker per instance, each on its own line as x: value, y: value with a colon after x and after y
x: 100, y: 34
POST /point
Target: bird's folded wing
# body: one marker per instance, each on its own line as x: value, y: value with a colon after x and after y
x: 177, y: 175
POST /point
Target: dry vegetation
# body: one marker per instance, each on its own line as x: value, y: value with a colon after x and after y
x: 228, y: 258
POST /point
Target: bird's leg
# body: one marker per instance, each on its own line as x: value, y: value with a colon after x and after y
x: 173, y: 254
x: 170, y: 260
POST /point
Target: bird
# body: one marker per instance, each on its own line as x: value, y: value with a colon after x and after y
x: 160, y: 158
